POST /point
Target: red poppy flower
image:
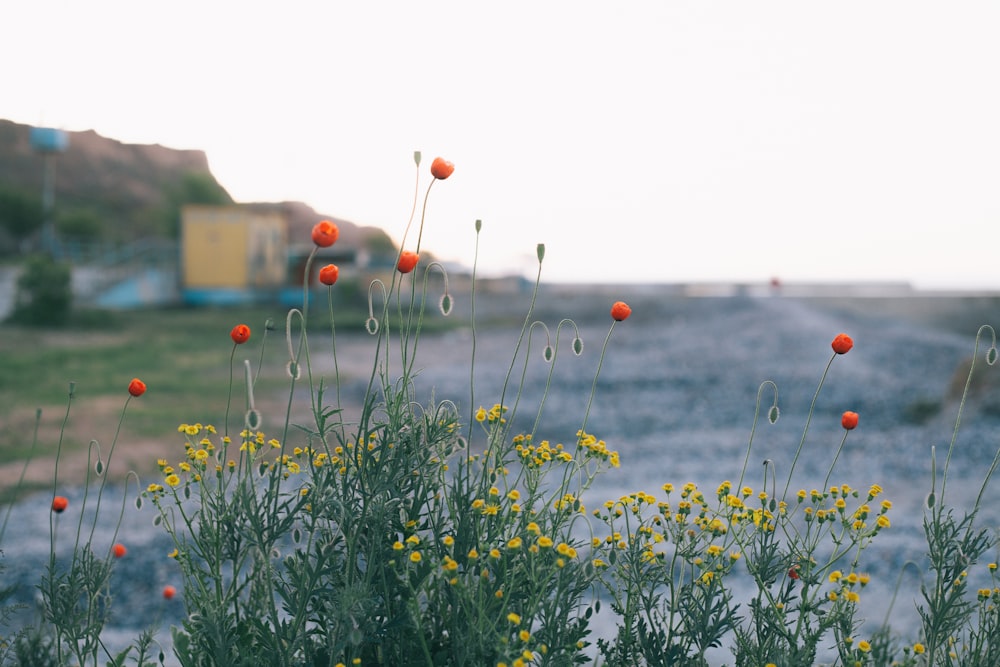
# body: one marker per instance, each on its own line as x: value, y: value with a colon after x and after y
x: 169, y: 592
x: 620, y: 311
x: 240, y: 334
x: 842, y: 343
x: 407, y: 261
x: 119, y: 550
x: 849, y: 420
x: 325, y: 233
x: 59, y: 503
x: 441, y: 168
x: 328, y: 274
x: 136, y: 387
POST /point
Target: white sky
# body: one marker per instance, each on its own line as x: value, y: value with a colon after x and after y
x: 643, y: 140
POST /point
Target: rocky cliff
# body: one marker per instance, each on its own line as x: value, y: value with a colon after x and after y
x: 133, y: 188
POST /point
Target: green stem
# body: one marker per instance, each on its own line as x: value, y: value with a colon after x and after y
x: 802, y: 441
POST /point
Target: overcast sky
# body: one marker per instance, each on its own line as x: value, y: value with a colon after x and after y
x: 640, y: 141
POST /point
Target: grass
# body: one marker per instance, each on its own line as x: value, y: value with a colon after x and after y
x: 174, y: 350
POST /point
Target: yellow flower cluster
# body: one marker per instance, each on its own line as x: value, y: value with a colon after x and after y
x: 597, y: 449
x: 837, y: 510
x: 537, y: 456
x: 494, y: 415
x: 846, y: 586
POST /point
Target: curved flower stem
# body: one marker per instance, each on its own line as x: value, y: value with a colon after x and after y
x: 961, y: 406
x: 802, y: 441
x: 24, y: 470
x: 130, y: 475
x: 593, y: 387
x: 895, y: 590
x: 107, y: 469
x: 412, y: 356
x: 520, y: 340
x: 229, y: 395
x: 552, y: 366
x: 472, y: 324
x: 832, y: 465
x: 336, y: 365
x: 55, y: 476
x: 753, y: 428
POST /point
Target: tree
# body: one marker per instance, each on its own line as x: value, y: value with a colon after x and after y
x: 44, y: 292
x: 194, y: 188
x: 20, y: 214
x: 80, y: 225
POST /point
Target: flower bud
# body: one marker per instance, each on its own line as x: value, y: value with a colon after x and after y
x: 407, y: 261
x: 325, y: 233
x: 842, y: 343
x: 240, y: 334
x: 441, y: 168
x: 136, y: 387
x: 328, y: 274
x: 620, y: 311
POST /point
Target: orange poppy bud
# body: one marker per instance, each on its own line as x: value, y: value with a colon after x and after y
x: 849, y: 420
x: 119, y: 550
x: 325, y: 233
x: 441, y: 168
x: 240, y: 334
x: 842, y: 343
x: 407, y: 261
x: 620, y: 311
x: 59, y: 503
x: 136, y: 387
x: 328, y: 274
x: 169, y: 592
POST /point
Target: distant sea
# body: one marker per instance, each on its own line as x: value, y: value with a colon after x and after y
x: 676, y: 397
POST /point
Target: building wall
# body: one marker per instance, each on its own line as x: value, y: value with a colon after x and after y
x: 231, y: 247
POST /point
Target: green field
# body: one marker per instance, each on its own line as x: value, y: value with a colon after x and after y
x: 183, y: 355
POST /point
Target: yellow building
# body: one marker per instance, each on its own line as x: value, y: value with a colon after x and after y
x: 232, y: 254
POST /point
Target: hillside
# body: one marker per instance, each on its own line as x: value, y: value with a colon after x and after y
x: 135, y: 189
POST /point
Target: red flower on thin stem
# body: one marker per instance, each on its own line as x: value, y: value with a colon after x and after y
x: 441, y: 168
x: 620, y: 311
x: 240, y: 334
x: 328, y: 274
x: 849, y: 420
x: 407, y: 261
x: 325, y: 233
x: 793, y: 572
x: 169, y: 592
x: 842, y: 343
x: 119, y: 550
x: 136, y: 387
x: 59, y: 504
